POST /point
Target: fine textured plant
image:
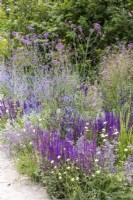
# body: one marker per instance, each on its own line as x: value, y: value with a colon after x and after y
x: 117, y: 77
x: 67, y: 122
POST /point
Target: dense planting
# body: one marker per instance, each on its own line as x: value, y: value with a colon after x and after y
x: 115, y: 18
x: 66, y: 111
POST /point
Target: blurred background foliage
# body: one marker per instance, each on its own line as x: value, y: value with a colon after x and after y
x: 115, y: 16
x: 57, y: 16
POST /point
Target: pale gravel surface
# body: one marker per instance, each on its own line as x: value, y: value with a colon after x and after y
x: 16, y: 187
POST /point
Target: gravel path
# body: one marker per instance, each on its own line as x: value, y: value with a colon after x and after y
x: 16, y: 187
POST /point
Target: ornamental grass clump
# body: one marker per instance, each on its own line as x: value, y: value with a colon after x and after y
x: 116, y: 81
x: 126, y: 135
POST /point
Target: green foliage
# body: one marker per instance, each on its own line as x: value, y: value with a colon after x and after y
x: 116, y: 81
x: 126, y: 136
x: 115, y: 18
x: 3, y: 46
x: 26, y: 164
x: 3, y: 20
x: 54, y: 16
x: 69, y: 182
x: 63, y: 96
x: 22, y: 13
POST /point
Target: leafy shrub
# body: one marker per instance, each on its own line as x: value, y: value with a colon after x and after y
x: 3, y: 47
x: 115, y: 18
x: 21, y: 13
x: 3, y: 20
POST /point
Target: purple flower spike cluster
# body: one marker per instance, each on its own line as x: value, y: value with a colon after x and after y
x: 56, y: 150
x: 84, y: 154
x: 12, y: 109
x: 109, y: 124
